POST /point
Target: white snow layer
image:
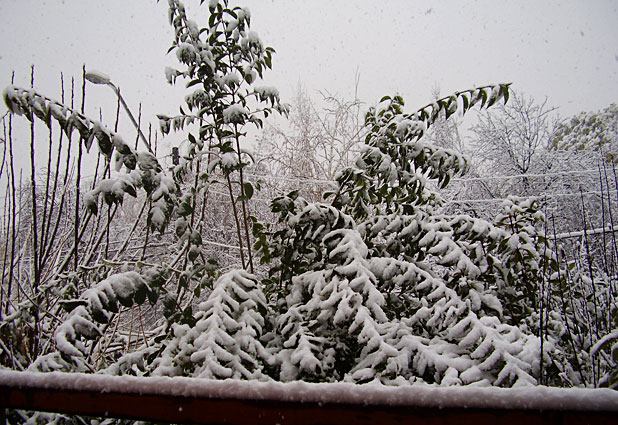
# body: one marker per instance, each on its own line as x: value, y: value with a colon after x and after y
x: 532, y: 398
x: 97, y: 77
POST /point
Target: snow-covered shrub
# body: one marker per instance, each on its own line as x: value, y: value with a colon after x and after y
x: 381, y: 285
x: 87, y: 317
x: 225, y: 341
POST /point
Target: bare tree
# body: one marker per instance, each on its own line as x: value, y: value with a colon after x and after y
x: 315, y: 145
x: 513, y: 140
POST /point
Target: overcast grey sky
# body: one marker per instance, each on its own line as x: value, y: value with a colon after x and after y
x: 565, y: 50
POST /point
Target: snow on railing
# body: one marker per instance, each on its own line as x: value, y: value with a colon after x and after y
x: 242, y: 402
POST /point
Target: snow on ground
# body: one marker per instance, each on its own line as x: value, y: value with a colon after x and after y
x: 533, y: 398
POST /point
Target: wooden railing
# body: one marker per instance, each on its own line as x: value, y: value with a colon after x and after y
x: 187, y: 400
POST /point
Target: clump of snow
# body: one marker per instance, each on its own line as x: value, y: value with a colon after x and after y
x: 235, y: 114
x: 97, y: 77
x: 267, y: 91
x: 251, y: 40
x: 193, y: 28
x: 170, y: 74
x: 229, y: 160
x: 231, y: 80
x: 186, y: 53
x: 243, y: 14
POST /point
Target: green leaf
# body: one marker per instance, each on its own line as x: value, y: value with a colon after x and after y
x: 248, y: 190
x: 129, y: 161
x: 504, y: 88
x: 140, y: 294
x: 185, y: 209
x: 483, y: 95
x: 493, y: 97
x: 128, y: 188
x: 126, y: 301
x: 181, y: 227
x: 71, y: 305
x: 153, y: 296
x: 466, y: 102
x: 89, y: 140
x: 91, y: 205
x: 196, y: 238
x: 193, y: 82
x: 194, y: 252
x: 445, y: 181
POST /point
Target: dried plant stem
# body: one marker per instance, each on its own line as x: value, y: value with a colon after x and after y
x: 97, y: 243
x: 78, y: 177
x: 35, y: 231
x: 130, y: 234
x: 237, y: 221
x: 243, y: 201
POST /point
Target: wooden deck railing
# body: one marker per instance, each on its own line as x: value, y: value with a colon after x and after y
x: 186, y: 400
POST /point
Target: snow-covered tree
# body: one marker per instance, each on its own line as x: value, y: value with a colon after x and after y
x: 223, y: 64
x: 318, y: 140
x: 513, y: 139
x: 592, y: 131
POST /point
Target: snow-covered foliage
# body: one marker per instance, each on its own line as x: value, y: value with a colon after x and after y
x: 569, y: 167
x: 378, y: 283
x: 222, y: 62
x: 595, y: 131
x: 94, y: 308
x: 416, y: 295
x: 225, y: 341
x: 142, y: 168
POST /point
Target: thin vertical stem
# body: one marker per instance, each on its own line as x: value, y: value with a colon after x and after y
x: 7, y: 224
x: 130, y: 328
x: 48, y: 225
x: 33, y: 203
x: 591, y: 276
x: 13, y: 207
x: 614, y: 261
x: 46, y: 199
x: 141, y: 325
x: 139, y: 124
x: 6, y: 221
x: 603, y: 234
x: 147, y: 236
x: 79, y: 173
x: 544, y: 307
x: 565, y: 315
x: 34, y: 224
x: 238, y: 230
x: 19, y: 226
